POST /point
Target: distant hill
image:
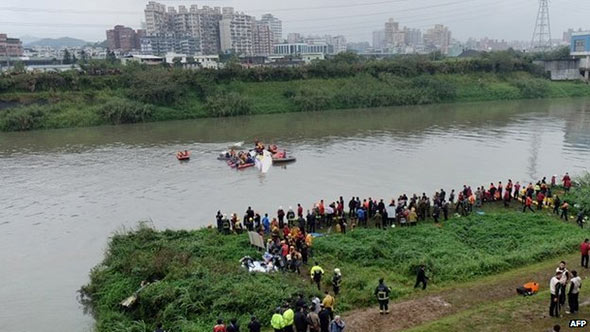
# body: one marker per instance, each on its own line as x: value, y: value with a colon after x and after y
x: 26, y: 39
x: 58, y: 42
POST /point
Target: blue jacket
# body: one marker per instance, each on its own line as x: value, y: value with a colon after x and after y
x: 335, y: 327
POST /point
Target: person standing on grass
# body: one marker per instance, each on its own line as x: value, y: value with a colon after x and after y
x: 556, y: 205
x: 564, y: 209
x: 580, y: 219
x: 584, y: 248
x: 565, y: 277
x: 540, y: 199
x: 313, y: 319
x: 382, y: 292
x: 337, y: 325
x: 572, y: 295
x: 301, y: 320
x: 527, y: 204
x: 254, y: 325
x: 567, y: 182
x: 220, y: 327
x: 421, y: 277
x: 328, y: 303
x: 324, y: 316
x: 336, y: 281
x: 288, y: 318
x: 507, y: 198
x: 277, y: 322
x: 316, y: 274
x: 554, y: 287
x: 233, y: 326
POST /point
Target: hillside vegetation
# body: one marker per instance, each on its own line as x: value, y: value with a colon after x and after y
x: 108, y: 93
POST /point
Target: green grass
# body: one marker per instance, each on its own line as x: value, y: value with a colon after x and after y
x: 201, y: 279
x: 81, y: 107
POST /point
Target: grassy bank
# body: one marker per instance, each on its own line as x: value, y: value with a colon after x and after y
x: 200, y: 278
x: 132, y: 94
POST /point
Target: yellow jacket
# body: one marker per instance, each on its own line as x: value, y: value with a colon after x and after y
x: 328, y: 301
x: 288, y: 317
x: 316, y: 268
x: 277, y: 322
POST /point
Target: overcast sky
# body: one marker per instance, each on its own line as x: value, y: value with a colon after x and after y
x: 356, y: 19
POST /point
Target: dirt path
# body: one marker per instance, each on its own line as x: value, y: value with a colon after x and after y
x: 433, y: 306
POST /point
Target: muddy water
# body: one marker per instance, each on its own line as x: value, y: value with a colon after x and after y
x: 63, y: 192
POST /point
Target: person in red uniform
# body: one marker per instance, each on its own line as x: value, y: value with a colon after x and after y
x: 567, y: 182
x: 540, y: 199
x: 299, y: 210
x: 220, y: 327
x: 584, y: 248
x: 527, y: 204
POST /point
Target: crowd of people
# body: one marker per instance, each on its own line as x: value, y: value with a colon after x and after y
x: 405, y: 211
x: 565, y: 283
x: 290, y: 235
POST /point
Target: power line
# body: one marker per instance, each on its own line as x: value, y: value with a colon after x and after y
x: 409, y: 19
x: 66, y: 11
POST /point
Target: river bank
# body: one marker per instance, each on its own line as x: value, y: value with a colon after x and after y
x: 142, y: 94
x: 200, y: 280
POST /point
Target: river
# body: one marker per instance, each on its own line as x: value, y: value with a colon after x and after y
x: 64, y: 192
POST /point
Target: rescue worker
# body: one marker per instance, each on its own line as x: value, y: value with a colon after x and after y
x: 277, y: 322
x: 556, y: 205
x: 584, y: 248
x: 288, y: 318
x: 580, y: 219
x: 382, y: 293
x: 226, y: 225
x: 336, y: 281
x: 316, y: 274
x: 421, y: 277
x: 220, y: 327
x: 527, y: 205
x: 564, y: 209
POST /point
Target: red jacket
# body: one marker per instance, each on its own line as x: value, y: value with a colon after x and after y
x: 540, y: 197
x: 219, y: 328
x: 584, y: 247
x: 529, y: 201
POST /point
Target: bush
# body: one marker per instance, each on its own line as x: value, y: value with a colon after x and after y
x: 121, y: 111
x: 227, y: 104
x: 155, y: 86
x: 308, y: 99
x: 23, y: 118
x: 532, y: 88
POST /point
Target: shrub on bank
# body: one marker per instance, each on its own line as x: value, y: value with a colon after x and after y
x: 227, y: 104
x: 120, y: 111
x: 23, y: 118
x: 532, y: 88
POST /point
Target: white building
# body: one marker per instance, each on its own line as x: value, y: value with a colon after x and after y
x: 301, y: 48
x: 236, y: 33
x: 276, y: 26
